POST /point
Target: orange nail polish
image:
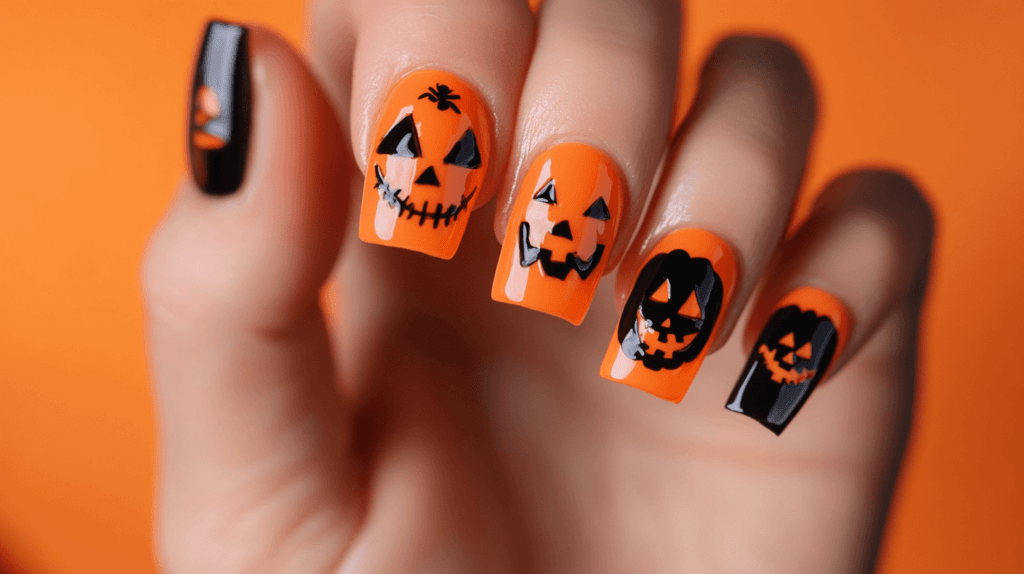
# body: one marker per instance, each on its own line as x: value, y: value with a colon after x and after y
x: 672, y: 314
x: 808, y: 329
x: 431, y: 151
x: 563, y: 224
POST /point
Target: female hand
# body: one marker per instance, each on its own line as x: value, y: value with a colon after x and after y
x: 427, y: 428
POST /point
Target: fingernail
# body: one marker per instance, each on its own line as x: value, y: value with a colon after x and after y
x: 219, y: 123
x: 672, y: 314
x: 806, y: 331
x: 562, y: 228
x: 431, y: 151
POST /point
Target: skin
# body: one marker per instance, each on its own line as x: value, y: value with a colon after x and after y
x: 425, y: 428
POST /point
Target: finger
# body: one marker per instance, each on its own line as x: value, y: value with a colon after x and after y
x: 251, y: 424
x: 594, y: 121
x: 830, y: 478
x: 716, y: 218
x: 434, y: 92
x: 866, y: 245
x: 331, y: 42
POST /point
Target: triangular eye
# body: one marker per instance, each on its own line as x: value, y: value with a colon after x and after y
x: 546, y: 193
x: 788, y: 340
x: 464, y: 153
x: 663, y: 294
x: 804, y: 352
x: 598, y: 210
x: 691, y: 308
x: 401, y: 140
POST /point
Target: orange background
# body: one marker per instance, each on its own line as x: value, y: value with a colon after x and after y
x: 92, y: 109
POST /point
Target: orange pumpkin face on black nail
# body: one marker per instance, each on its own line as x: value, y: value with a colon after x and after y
x: 795, y: 348
x: 792, y: 354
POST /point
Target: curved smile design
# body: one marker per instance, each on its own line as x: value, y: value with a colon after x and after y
x: 528, y: 255
x: 438, y: 215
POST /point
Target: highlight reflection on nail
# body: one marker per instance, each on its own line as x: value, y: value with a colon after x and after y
x: 220, y: 120
x: 672, y: 314
x: 807, y: 330
x: 424, y: 175
x: 563, y: 224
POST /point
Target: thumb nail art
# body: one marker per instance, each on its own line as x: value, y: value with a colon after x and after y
x: 219, y: 120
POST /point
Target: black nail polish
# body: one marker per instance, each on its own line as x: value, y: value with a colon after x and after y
x: 218, y: 136
x: 789, y: 359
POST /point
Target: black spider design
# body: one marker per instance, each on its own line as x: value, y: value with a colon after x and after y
x: 442, y: 95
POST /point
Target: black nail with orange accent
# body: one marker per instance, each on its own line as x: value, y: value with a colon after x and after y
x: 218, y: 137
x: 805, y: 333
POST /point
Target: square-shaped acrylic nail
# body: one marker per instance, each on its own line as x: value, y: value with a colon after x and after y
x: 672, y: 314
x: 806, y: 332
x: 431, y: 151
x: 560, y: 233
x: 219, y: 124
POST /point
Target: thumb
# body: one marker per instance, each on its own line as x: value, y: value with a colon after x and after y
x: 255, y: 458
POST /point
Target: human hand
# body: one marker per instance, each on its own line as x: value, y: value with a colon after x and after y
x: 428, y: 428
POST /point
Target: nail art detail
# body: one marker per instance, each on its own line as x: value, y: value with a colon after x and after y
x: 219, y: 123
x: 807, y: 330
x: 433, y: 142
x: 563, y: 224
x: 672, y: 314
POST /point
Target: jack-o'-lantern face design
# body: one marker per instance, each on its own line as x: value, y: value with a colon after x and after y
x: 560, y: 232
x: 671, y: 312
x: 791, y: 356
x: 427, y: 165
x: 426, y: 201
x: 207, y: 112
x: 579, y: 253
x: 219, y: 121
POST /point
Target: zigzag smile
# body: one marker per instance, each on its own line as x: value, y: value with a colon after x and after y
x: 528, y: 255
x: 438, y: 215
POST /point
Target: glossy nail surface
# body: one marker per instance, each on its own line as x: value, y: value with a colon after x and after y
x: 221, y: 101
x: 431, y: 151
x: 562, y: 227
x: 806, y: 331
x: 672, y: 314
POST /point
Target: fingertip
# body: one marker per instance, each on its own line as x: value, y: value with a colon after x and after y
x: 852, y: 265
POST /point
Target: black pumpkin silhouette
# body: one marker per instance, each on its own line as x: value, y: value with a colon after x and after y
x: 674, y: 296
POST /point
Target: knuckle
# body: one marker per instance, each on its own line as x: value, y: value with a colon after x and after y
x: 644, y: 33
x: 772, y: 59
x: 896, y: 197
x: 181, y: 281
x: 895, y: 209
x: 767, y: 72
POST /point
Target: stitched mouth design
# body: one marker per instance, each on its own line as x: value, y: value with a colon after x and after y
x: 438, y: 215
x: 528, y: 255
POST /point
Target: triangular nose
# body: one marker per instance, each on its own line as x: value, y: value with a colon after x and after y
x: 562, y: 230
x: 428, y: 177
